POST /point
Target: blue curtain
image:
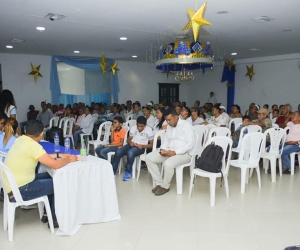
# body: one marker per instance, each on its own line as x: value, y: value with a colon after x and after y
x: 86, y: 64
x: 229, y: 76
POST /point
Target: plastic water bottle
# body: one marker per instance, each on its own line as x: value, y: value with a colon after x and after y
x: 67, y: 145
x: 56, y: 144
x: 83, y: 151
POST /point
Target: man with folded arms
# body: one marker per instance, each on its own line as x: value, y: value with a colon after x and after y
x: 22, y: 160
x: 176, y: 150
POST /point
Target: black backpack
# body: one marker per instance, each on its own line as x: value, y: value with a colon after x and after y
x: 211, y: 159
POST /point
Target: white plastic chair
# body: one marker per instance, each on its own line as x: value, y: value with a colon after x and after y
x: 161, y: 134
x: 219, y: 131
x: 10, y: 207
x: 226, y: 144
x: 62, y: 120
x: 277, y: 138
x: 106, y: 126
x: 129, y: 117
x: 249, y: 156
x: 131, y: 123
x: 234, y: 121
x: 67, y: 129
x: 274, y: 125
x: 202, y: 132
x: 179, y: 169
x: 53, y: 122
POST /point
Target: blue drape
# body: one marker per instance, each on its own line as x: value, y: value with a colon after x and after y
x: 229, y: 76
x: 86, y: 64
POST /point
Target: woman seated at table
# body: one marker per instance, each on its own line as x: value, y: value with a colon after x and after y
x: 8, y: 137
x: 185, y: 113
x: 22, y: 160
x: 217, y: 119
x: 117, y: 139
x: 195, y: 118
x: 86, y: 125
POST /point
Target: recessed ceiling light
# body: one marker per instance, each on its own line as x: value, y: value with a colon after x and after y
x: 134, y: 56
x: 76, y: 51
x: 40, y: 28
x: 234, y: 54
x: 255, y: 49
x: 16, y: 40
x: 222, y: 12
x: 9, y: 46
x: 123, y: 38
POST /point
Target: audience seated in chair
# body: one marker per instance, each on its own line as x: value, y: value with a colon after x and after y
x: 217, y: 119
x: 235, y: 111
x: 151, y: 120
x: 185, y: 113
x: 45, y: 116
x: 8, y: 137
x: 195, y: 118
x: 115, y: 112
x: 285, y: 115
x: 117, y: 139
x: 175, y: 150
x: 140, y: 138
x: 253, y: 112
x: 22, y: 160
x: 31, y: 115
x: 102, y: 117
x: 137, y: 111
x: 237, y: 132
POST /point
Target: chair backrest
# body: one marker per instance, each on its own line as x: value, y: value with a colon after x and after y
x: 277, y: 138
x: 250, y: 129
x: 131, y: 123
x: 53, y: 122
x: 251, y: 147
x: 202, y: 132
x: 161, y: 133
x: 254, y: 128
x: 68, y: 127
x: 235, y: 122
x: 106, y: 127
x: 129, y: 117
x: 219, y: 131
x: 226, y: 144
x: 11, y: 180
x: 62, y: 120
x: 274, y: 125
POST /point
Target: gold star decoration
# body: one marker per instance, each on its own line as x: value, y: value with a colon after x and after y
x: 114, y: 68
x: 250, y: 72
x: 103, y: 64
x: 197, y: 20
x: 35, y: 72
x: 168, y: 72
x: 230, y: 63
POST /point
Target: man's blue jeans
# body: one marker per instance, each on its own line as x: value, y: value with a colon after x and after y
x: 103, y: 151
x: 76, y: 137
x: 131, y: 153
x: 287, y: 150
x: 40, y: 186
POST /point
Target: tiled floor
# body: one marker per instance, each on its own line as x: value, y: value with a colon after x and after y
x: 260, y: 219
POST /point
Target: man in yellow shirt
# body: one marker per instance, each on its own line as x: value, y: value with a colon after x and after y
x: 22, y: 160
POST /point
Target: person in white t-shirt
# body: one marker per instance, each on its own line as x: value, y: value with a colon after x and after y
x: 217, y: 119
x: 224, y: 114
x: 195, y: 118
x: 151, y: 120
x: 140, y: 138
x: 212, y: 98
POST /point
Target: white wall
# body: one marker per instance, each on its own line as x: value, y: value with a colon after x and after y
x: 15, y: 69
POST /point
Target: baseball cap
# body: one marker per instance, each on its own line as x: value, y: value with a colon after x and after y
x: 149, y: 103
x: 222, y: 107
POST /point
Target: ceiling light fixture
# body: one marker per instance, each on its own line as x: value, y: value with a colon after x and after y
x: 255, y: 49
x: 40, y: 28
x: 76, y: 51
x: 16, y: 40
x: 9, y: 46
x: 134, y: 56
x: 234, y: 54
x: 222, y: 12
x: 262, y: 19
x: 54, y: 17
x: 123, y: 38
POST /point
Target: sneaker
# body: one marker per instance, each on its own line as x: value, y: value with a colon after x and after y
x: 287, y: 171
x: 161, y: 191
x: 126, y: 176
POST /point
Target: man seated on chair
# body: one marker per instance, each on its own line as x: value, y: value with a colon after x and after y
x: 291, y: 142
x: 237, y: 132
x: 176, y: 150
x: 151, y: 120
x: 285, y: 115
x: 263, y: 120
x: 45, y: 116
x: 102, y: 117
x: 140, y: 138
x: 22, y: 160
x: 137, y: 112
x: 115, y: 112
x: 117, y: 139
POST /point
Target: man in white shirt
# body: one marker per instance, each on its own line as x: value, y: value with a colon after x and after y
x: 224, y: 114
x: 140, y: 138
x: 212, y: 98
x: 151, y: 120
x: 176, y: 149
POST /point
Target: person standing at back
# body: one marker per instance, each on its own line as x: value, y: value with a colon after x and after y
x: 212, y: 98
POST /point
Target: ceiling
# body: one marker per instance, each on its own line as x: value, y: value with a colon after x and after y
x: 94, y: 27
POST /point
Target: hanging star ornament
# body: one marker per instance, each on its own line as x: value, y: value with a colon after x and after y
x: 229, y: 63
x: 103, y: 64
x: 197, y: 20
x: 35, y: 72
x: 250, y: 72
x: 168, y: 72
x: 114, y: 68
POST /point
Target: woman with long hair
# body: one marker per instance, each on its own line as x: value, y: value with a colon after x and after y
x: 8, y: 137
x: 8, y: 104
x: 185, y: 113
x: 235, y: 111
x: 160, y: 123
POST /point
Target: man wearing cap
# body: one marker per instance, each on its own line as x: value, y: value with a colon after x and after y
x: 224, y: 114
x: 263, y: 120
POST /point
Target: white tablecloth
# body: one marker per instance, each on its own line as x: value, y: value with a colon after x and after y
x: 85, y: 192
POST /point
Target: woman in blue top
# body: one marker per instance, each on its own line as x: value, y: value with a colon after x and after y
x: 7, y: 138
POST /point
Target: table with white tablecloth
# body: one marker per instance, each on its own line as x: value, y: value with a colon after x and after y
x: 85, y: 192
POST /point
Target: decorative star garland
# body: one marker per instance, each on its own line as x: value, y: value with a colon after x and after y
x: 250, y: 72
